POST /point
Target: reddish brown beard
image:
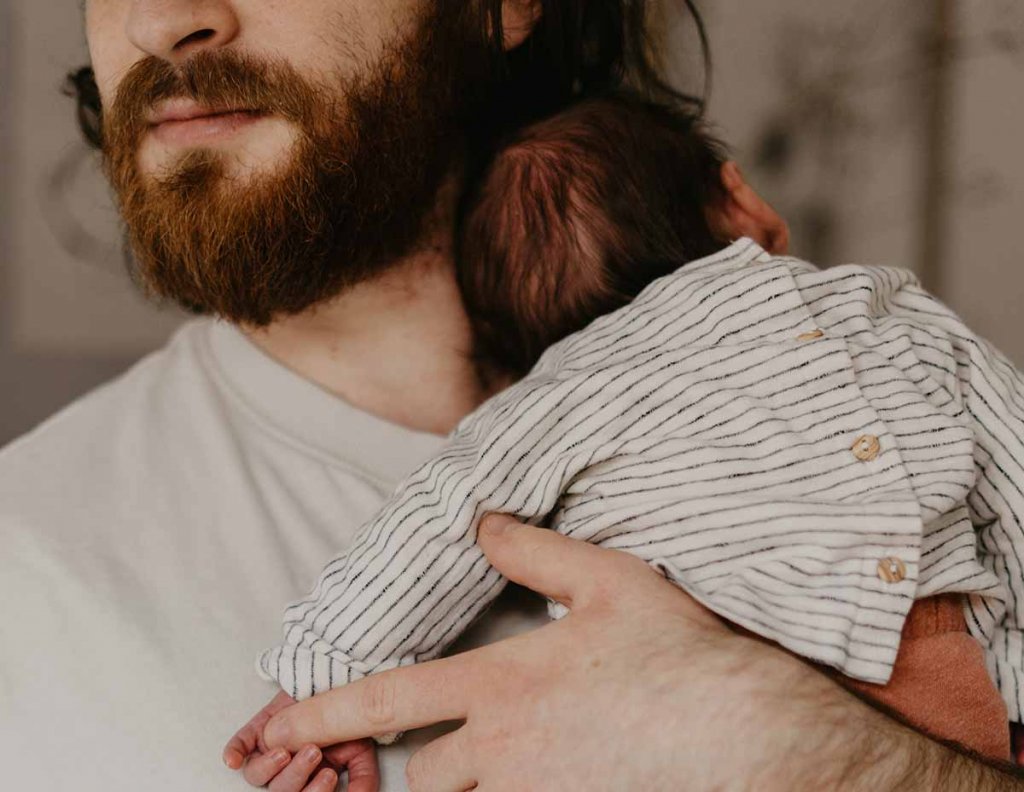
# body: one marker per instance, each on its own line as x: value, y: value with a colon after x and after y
x: 363, y: 177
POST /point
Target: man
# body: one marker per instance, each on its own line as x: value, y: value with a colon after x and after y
x: 292, y: 168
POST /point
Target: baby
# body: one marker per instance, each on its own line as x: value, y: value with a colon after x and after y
x: 828, y: 459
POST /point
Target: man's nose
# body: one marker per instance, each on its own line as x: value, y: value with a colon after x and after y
x: 174, y: 30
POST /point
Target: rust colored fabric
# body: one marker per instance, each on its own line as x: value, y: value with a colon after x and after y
x: 940, y: 684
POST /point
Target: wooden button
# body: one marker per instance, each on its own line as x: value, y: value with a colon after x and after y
x: 892, y: 570
x: 810, y: 336
x: 866, y: 448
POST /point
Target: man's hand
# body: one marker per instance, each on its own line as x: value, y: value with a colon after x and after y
x: 638, y: 688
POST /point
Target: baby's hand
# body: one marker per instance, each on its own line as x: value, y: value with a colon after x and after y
x: 310, y: 770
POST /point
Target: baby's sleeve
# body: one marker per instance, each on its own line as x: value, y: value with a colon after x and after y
x: 414, y: 578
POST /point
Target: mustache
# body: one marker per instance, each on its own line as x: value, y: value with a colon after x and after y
x: 215, y: 79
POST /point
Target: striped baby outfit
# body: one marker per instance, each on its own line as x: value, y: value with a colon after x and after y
x: 806, y: 452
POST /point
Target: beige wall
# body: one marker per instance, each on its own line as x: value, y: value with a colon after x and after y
x: 69, y: 319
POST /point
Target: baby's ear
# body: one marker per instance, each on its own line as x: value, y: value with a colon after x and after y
x: 741, y: 212
x: 518, y: 19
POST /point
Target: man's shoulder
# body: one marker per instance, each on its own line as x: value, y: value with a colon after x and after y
x: 97, y: 432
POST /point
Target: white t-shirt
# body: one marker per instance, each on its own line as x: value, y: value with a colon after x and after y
x: 150, y: 536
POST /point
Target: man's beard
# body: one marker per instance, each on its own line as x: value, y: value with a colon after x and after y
x: 354, y: 195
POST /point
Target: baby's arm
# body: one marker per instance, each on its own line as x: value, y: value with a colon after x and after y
x: 414, y: 578
x: 310, y: 770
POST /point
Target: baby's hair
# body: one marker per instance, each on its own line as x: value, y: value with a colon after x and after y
x: 575, y: 215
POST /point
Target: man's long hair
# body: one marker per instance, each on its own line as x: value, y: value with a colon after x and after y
x: 578, y: 48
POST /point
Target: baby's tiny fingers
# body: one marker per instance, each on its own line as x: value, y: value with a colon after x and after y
x: 364, y: 771
x: 250, y: 737
x: 342, y: 754
x: 233, y: 758
x: 326, y: 781
x: 296, y: 775
x: 239, y: 747
x: 262, y: 767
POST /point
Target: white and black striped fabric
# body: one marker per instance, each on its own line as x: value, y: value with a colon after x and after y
x: 716, y: 427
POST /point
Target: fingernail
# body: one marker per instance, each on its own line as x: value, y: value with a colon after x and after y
x: 279, y: 756
x: 497, y: 525
x: 311, y: 753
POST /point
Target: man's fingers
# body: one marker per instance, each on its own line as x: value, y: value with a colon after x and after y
x: 393, y: 701
x: 245, y: 741
x: 443, y: 765
x: 566, y: 570
x: 276, y: 704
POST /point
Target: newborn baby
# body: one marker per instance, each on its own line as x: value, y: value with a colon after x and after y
x: 806, y: 452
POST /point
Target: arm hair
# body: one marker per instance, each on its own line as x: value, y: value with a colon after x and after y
x: 865, y: 747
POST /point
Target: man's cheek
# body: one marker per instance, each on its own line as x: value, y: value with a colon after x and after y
x: 111, y: 54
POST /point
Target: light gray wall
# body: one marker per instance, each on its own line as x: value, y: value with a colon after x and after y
x: 69, y: 317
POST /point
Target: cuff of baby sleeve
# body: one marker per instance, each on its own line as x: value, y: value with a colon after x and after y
x: 303, y: 672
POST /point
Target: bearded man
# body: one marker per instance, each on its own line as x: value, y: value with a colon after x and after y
x: 290, y: 170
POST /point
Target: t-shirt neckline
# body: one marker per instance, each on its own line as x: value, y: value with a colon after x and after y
x: 312, y: 415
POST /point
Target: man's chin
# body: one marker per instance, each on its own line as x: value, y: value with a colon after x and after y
x: 272, y: 215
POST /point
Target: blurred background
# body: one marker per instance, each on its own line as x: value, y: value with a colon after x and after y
x: 885, y: 132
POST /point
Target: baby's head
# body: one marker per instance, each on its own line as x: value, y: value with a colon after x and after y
x: 575, y: 215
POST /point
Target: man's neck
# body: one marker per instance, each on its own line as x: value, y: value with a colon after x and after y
x: 397, y: 346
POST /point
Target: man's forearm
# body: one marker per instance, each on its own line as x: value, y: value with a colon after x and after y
x: 905, y: 759
x: 956, y: 771
x: 706, y: 708
x: 860, y: 749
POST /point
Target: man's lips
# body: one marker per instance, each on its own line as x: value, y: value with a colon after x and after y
x: 188, y: 123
